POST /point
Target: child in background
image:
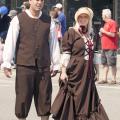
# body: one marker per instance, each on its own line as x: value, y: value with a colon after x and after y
x: 54, y: 16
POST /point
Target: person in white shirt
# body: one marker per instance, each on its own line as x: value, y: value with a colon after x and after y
x: 37, y: 52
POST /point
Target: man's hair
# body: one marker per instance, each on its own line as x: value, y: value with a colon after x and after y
x: 26, y: 5
x: 107, y: 13
x: 53, y: 9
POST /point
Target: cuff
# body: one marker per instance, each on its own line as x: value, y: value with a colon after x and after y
x: 5, y: 65
x: 56, y: 67
x: 65, y: 59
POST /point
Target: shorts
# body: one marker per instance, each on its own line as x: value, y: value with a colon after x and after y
x: 109, y: 57
x: 32, y: 82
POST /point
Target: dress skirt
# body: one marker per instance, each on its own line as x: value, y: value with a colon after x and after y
x: 77, y: 98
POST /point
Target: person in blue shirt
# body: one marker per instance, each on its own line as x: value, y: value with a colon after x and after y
x: 4, y: 22
x: 61, y: 17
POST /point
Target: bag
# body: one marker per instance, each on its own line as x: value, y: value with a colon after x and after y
x: 97, y: 58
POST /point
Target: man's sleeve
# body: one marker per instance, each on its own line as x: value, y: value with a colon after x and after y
x: 113, y: 27
x: 10, y: 43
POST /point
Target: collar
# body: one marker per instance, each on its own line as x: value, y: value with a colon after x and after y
x: 30, y: 15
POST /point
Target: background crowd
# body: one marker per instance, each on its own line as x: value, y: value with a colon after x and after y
x: 59, y: 19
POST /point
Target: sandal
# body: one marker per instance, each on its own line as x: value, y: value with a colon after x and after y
x: 112, y: 82
x: 102, y: 82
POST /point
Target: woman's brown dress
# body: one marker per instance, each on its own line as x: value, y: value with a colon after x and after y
x: 78, y: 99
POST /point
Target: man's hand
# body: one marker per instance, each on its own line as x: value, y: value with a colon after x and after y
x: 7, y: 72
x: 102, y: 30
x: 110, y: 34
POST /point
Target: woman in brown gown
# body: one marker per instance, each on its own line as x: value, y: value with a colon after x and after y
x: 77, y: 98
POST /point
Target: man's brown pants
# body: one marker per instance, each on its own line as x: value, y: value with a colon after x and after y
x: 33, y: 82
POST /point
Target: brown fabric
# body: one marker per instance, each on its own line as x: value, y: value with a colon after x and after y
x: 33, y: 41
x: 33, y: 82
x: 77, y: 99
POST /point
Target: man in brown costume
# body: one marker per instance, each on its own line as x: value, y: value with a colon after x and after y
x: 28, y: 37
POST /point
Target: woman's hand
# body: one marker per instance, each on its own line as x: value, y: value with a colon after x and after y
x: 64, y: 76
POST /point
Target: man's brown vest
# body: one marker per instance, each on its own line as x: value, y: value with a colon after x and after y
x: 33, y: 41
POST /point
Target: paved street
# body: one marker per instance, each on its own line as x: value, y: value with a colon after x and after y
x: 109, y: 94
x: 110, y: 98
